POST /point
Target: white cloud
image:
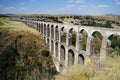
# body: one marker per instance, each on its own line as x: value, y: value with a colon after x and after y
x: 10, y: 9
x: 75, y: 1
x: 117, y: 2
x: 83, y: 6
x: 102, y: 6
x: 22, y: 8
x: 70, y: 6
x: 4, y: 8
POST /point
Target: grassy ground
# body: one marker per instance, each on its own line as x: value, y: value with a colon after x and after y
x: 6, y: 24
x: 109, y: 70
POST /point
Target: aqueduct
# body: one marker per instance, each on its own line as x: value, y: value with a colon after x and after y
x: 67, y: 49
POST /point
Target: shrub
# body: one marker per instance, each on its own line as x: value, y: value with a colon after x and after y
x: 45, y: 53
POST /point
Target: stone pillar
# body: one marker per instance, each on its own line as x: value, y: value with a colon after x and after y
x: 66, y: 57
x: 88, y: 45
x: 67, y: 39
x: 46, y: 33
x: 43, y: 30
x: 103, y: 51
x: 54, y: 37
x: 59, y: 51
x: 76, y: 58
x: 54, y: 49
x: 40, y: 28
x: 77, y: 48
x: 77, y: 42
x: 50, y: 38
x: 59, y: 36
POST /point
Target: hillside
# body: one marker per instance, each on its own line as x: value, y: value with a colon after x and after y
x: 23, y: 53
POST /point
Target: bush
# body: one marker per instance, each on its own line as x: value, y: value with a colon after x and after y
x: 45, y: 53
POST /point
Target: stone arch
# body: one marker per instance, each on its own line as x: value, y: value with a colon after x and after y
x: 62, y: 53
x: 83, y: 35
x: 70, y: 57
x: 72, y: 37
x: 56, y: 49
x: 96, y: 43
x: 52, y: 31
x: 45, y: 29
x: 52, y: 46
x: 56, y: 33
x: 48, y: 30
x: 81, y: 59
x: 63, y: 34
x: 113, y: 43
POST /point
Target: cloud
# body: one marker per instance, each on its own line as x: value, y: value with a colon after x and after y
x: 64, y: 10
x: 83, y: 6
x: 117, y: 2
x: 10, y: 9
x: 102, y: 6
x: 4, y: 8
x: 22, y: 8
x: 70, y: 6
x: 75, y: 1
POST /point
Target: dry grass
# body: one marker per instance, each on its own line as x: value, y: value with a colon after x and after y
x: 15, y: 26
x: 108, y: 71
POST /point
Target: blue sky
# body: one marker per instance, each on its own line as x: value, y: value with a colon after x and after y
x: 89, y: 7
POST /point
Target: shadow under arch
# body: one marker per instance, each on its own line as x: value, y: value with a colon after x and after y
x: 83, y: 39
x: 70, y: 57
x: 113, y: 43
x: 56, y: 33
x: 56, y: 49
x: 48, y: 30
x: 63, y: 34
x: 72, y: 37
x: 62, y: 53
x: 81, y: 59
x: 96, y: 43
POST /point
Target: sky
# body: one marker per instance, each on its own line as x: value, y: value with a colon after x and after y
x: 83, y: 7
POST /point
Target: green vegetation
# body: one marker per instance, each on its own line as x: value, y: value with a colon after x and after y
x: 23, y: 54
x: 97, y: 21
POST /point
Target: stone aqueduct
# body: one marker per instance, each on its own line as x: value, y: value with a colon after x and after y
x: 58, y: 38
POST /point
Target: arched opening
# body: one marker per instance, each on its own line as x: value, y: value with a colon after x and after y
x: 62, y: 53
x: 63, y: 34
x: 37, y: 26
x: 41, y: 28
x: 56, y: 49
x: 52, y: 47
x: 56, y: 33
x: 48, y: 30
x: 61, y: 67
x: 83, y: 39
x: 48, y: 42
x: 113, y: 44
x: 52, y: 31
x: 70, y: 57
x: 96, y: 42
x: 80, y: 59
x: 72, y: 37
x: 45, y: 29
